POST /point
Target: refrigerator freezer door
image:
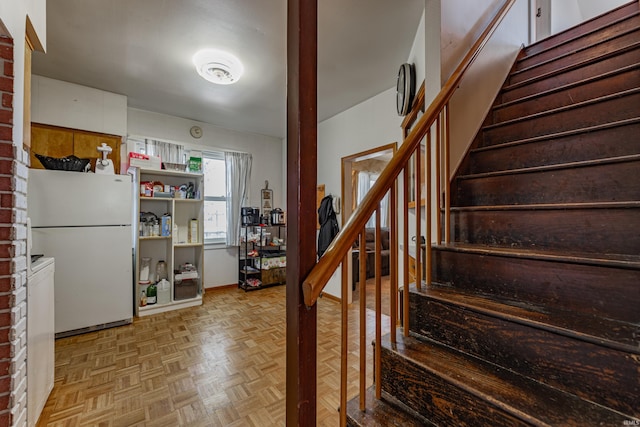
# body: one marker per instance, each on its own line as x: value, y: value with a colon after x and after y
x: 61, y: 198
x: 92, y: 275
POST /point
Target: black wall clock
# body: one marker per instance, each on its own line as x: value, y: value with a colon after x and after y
x: 405, y: 88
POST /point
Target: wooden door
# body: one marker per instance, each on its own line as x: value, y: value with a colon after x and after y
x: 49, y: 141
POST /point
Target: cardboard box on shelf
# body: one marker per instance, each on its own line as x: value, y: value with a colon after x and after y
x: 144, y: 161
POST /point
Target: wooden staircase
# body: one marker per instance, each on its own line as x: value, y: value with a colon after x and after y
x: 533, y: 317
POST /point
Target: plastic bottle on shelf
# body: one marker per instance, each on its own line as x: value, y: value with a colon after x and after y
x: 145, y: 267
x: 152, y: 294
x: 161, y: 271
x: 143, y: 298
x: 164, y: 292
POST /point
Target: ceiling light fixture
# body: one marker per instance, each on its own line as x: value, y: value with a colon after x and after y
x: 218, y: 66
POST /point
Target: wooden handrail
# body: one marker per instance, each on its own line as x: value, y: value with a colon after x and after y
x: 319, y: 276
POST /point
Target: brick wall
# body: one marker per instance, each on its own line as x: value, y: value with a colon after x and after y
x: 13, y: 265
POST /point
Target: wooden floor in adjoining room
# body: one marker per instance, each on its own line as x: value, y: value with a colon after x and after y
x: 221, y: 364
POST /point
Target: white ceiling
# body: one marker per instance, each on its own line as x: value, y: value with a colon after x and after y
x: 143, y: 49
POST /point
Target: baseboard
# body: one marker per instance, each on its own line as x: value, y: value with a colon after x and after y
x: 330, y: 297
x: 211, y: 288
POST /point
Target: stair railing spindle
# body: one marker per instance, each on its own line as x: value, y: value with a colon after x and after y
x: 378, y: 280
x: 418, y: 213
x: 344, y: 351
x: 393, y: 265
x: 405, y: 257
x: 363, y: 318
x: 438, y: 174
x: 428, y: 214
x: 447, y: 176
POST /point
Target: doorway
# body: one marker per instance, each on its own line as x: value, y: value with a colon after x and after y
x: 359, y: 172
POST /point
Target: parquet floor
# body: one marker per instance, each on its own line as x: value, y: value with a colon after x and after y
x: 221, y: 364
x: 385, y: 286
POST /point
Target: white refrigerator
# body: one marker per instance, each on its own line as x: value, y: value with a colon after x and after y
x: 84, y: 222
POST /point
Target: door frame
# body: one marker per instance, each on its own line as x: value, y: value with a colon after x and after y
x: 347, y: 166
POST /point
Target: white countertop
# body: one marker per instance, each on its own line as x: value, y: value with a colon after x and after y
x: 40, y: 263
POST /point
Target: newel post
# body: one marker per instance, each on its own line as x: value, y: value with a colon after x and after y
x: 302, y: 18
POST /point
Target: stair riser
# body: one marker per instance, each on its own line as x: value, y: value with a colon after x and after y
x: 599, y: 183
x: 590, y: 289
x: 570, y: 96
x: 436, y: 399
x: 591, y: 25
x: 591, y: 230
x: 603, y: 65
x: 592, y: 113
x: 599, y: 144
x: 583, y: 55
x: 611, y: 31
x: 596, y: 373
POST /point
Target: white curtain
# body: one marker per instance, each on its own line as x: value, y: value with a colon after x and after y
x: 168, y: 152
x: 365, y: 182
x: 238, y: 170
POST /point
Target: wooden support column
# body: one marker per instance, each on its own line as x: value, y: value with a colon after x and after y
x: 302, y: 46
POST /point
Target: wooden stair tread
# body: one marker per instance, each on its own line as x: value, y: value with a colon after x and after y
x: 557, y: 135
x: 382, y: 412
x: 561, y: 109
x: 557, y: 166
x: 597, y: 330
x: 570, y: 53
x: 525, y: 399
x: 566, y: 86
x: 578, y: 36
x: 548, y: 206
x: 610, y: 260
x: 567, y: 68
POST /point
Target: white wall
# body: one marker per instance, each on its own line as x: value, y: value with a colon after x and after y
x: 477, y: 91
x: 220, y: 262
x: 13, y: 14
x: 564, y: 14
x: 59, y: 103
x: 567, y: 13
x: 462, y: 22
x: 369, y: 124
x: 592, y: 8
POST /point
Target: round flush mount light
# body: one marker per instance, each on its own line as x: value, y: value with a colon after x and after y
x: 218, y: 66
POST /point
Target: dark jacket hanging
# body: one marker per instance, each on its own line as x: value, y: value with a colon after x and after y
x: 328, y: 224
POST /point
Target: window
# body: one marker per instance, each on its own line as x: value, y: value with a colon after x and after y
x: 215, y: 199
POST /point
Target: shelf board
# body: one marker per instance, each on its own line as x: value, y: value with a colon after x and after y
x: 168, y: 199
x: 154, y: 237
x: 167, y: 172
x: 187, y: 245
x: 273, y: 255
x: 156, y: 199
x: 148, y: 310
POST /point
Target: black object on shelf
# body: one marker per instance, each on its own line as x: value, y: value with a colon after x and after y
x: 249, y: 216
x: 69, y: 163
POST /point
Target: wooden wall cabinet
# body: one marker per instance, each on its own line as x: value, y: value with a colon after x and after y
x: 54, y: 141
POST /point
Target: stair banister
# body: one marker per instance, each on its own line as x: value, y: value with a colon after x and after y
x: 318, y: 277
